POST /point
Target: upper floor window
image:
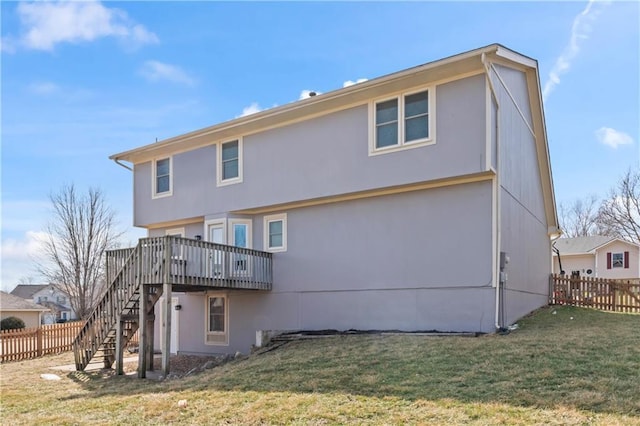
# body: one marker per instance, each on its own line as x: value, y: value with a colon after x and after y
x: 162, y: 183
x: 275, y: 232
x: 404, y: 121
x: 230, y: 162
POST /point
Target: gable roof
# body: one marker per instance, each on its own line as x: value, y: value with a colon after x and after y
x: 457, y: 66
x: 10, y: 302
x: 26, y: 291
x: 584, y: 245
x: 357, y: 94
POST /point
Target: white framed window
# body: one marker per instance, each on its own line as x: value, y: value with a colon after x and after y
x: 229, y: 167
x: 162, y: 177
x: 216, y: 319
x: 617, y: 260
x: 275, y: 233
x: 403, y: 121
x: 240, y: 236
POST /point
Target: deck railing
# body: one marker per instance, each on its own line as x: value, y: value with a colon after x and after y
x: 184, y: 261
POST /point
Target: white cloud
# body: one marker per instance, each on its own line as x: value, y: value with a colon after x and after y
x: 43, y: 88
x: 580, y: 30
x: 251, y: 109
x: 158, y: 71
x: 612, y: 137
x: 20, y: 256
x: 351, y: 83
x: 307, y: 94
x: 46, y: 24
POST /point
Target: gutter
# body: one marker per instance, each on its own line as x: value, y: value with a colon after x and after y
x: 117, y: 161
x: 498, y: 276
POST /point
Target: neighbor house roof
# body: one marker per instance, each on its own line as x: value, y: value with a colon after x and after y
x: 10, y: 302
x: 584, y: 245
x: 26, y: 291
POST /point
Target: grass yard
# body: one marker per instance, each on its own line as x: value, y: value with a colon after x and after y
x: 574, y: 366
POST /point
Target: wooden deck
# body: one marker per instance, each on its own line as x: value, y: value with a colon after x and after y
x: 193, y: 263
x: 140, y: 275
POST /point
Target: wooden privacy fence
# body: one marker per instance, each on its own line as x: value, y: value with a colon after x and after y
x: 29, y: 343
x: 619, y: 295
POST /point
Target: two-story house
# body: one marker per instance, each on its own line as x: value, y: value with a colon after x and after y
x: 420, y: 200
x: 50, y: 296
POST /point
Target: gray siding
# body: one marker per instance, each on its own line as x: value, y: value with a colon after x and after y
x: 523, y: 224
x: 319, y: 157
x: 413, y: 261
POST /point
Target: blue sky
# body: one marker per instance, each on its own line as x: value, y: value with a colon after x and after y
x: 84, y: 80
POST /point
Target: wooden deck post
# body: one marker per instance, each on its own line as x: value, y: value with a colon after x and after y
x: 119, y: 348
x: 150, y: 337
x: 166, y: 329
x: 143, y: 338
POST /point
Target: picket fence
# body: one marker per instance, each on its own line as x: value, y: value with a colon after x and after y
x: 616, y: 295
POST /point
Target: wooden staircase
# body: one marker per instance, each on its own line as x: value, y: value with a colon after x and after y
x: 189, y: 265
x: 97, y: 338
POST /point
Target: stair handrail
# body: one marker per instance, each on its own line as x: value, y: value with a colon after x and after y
x: 82, y: 347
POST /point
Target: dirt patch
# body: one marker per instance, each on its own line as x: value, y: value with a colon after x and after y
x: 183, y: 365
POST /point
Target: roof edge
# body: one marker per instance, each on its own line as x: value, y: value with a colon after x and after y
x: 302, y: 105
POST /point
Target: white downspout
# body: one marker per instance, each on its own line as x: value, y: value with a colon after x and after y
x: 496, y: 195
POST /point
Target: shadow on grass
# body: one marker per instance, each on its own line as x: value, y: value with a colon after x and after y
x: 562, y: 356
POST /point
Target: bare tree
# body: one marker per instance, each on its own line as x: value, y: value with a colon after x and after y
x: 580, y: 218
x: 82, y: 228
x: 619, y: 214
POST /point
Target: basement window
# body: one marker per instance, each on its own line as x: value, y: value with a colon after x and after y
x: 217, y: 327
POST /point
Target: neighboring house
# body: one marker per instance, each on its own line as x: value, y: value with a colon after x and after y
x: 384, y: 205
x: 50, y: 296
x: 14, y: 306
x: 597, y: 256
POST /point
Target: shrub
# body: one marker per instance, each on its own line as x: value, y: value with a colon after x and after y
x: 11, y: 323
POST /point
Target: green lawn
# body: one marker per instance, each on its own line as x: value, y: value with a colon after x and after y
x: 576, y: 366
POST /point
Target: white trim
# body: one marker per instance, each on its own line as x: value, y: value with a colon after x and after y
x: 225, y: 333
x: 219, y: 180
x: 175, y: 231
x: 222, y: 222
x: 154, y: 180
x: 402, y: 144
x: 238, y: 259
x: 230, y: 233
x: 281, y: 217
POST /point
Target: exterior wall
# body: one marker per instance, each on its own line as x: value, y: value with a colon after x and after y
x: 413, y: 261
x: 618, y: 247
x: 572, y: 263
x: 327, y: 155
x: 30, y: 318
x: 523, y: 226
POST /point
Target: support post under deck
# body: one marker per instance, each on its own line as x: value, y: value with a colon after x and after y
x: 166, y: 328
x: 119, y: 348
x: 150, y: 337
x: 143, y: 339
